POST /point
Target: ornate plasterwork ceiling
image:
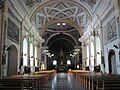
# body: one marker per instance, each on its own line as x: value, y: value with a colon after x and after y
x: 63, y: 10
x: 43, y: 11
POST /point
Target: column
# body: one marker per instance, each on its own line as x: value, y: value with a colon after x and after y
x: 39, y: 56
x: 95, y: 57
x: 119, y: 26
x: 33, y: 52
x: 21, y: 44
x: 89, y: 51
x: 4, y: 12
x: 28, y: 49
x: 45, y: 57
x: 119, y: 19
x: 78, y: 60
x: 102, y: 46
x: 83, y: 59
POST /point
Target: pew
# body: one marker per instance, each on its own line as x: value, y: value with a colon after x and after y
x: 25, y: 82
x: 16, y: 84
x: 98, y: 81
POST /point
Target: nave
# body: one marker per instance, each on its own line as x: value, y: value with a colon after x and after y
x: 62, y: 81
x: 39, y: 36
x: 42, y: 80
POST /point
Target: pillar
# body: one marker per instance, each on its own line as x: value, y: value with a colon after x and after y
x: 28, y: 49
x: 21, y: 44
x: 95, y: 55
x: 102, y: 46
x: 33, y: 52
x: 4, y: 14
x: 39, y: 56
x: 89, y: 51
x: 83, y: 60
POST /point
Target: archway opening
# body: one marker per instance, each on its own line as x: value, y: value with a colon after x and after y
x: 112, y: 62
x: 60, y: 48
x: 12, y: 60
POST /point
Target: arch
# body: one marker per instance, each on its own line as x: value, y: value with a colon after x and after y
x: 112, y: 62
x: 58, y: 34
x: 12, y: 60
x: 61, y: 20
x: 25, y: 52
x: 38, y: 7
x: 54, y: 42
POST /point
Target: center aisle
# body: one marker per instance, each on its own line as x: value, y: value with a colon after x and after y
x: 62, y: 81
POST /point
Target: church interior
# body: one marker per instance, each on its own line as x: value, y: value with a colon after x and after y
x: 59, y: 45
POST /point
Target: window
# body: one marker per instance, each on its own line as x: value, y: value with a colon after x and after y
x: 54, y: 62
x: 31, y: 54
x: 25, y: 49
x: 68, y: 62
x: 36, y: 56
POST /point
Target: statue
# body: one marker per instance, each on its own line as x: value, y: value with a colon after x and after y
x: 3, y: 58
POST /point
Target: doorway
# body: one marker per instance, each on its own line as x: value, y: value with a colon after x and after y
x: 12, y: 60
x: 112, y: 62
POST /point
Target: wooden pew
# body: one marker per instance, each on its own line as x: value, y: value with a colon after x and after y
x: 98, y: 81
x: 27, y: 81
x: 16, y: 84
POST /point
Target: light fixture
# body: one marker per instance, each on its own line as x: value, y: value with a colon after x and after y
x: 54, y: 62
x: 58, y: 24
x: 68, y: 62
x: 52, y: 54
x: 63, y: 24
x: 78, y: 66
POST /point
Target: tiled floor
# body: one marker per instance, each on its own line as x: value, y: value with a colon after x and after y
x: 62, y: 81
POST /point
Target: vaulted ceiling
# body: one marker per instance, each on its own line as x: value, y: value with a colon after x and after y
x: 42, y: 12
x: 57, y: 10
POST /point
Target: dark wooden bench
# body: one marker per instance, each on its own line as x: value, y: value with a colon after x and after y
x: 22, y: 82
x: 98, y: 81
x: 16, y: 84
